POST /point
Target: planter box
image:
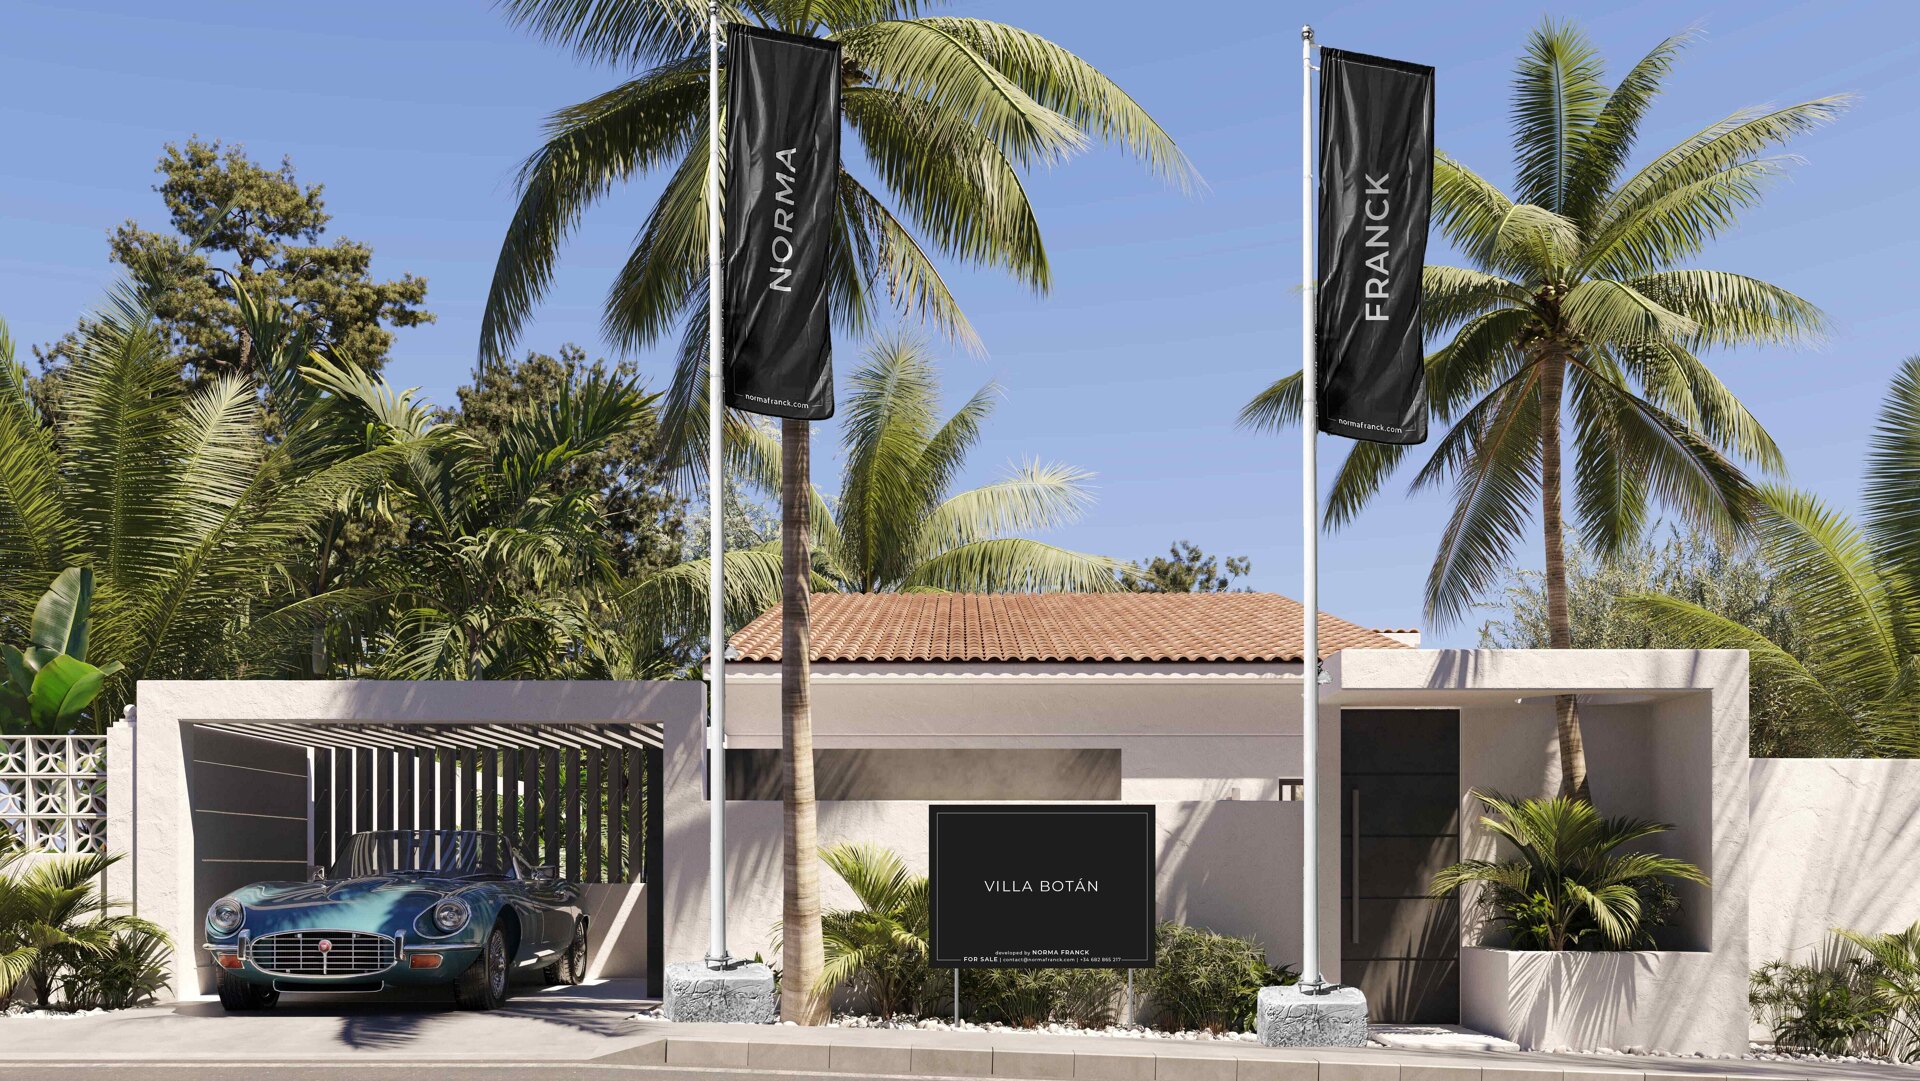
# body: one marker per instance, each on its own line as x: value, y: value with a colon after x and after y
x: 1631, y: 1001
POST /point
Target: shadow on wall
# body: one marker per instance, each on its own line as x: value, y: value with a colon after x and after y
x: 1226, y: 866
x: 1831, y: 839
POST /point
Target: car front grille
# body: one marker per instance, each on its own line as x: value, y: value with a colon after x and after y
x: 301, y: 953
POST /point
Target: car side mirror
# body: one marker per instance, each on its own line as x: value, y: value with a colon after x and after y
x: 316, y: 873
x: 546, y: 873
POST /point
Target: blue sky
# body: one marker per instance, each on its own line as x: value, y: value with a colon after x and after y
x: 1168, y: 312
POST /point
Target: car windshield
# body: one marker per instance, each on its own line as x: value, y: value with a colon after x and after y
x: 441, y: 853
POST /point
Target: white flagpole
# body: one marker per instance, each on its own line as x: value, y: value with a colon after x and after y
x: 1310, y: 549
x: 716, y: 532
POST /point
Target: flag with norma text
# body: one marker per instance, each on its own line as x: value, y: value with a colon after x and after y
x: 782, y: 180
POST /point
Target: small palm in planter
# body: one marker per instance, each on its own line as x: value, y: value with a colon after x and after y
x: 1569, y: 888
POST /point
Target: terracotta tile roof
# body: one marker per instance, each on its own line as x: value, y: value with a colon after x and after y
x: 1056, y: 627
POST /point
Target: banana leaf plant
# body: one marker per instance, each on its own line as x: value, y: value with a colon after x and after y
x: 50, y: 685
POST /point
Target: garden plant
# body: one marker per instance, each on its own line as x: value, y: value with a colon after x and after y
x: 58, y: 933
x: 1859, y: 994
x: 1568, y: 886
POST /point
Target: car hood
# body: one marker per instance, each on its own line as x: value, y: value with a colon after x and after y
x: 389, y: 893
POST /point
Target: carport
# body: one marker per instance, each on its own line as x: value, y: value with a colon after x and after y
x: 216, y: 784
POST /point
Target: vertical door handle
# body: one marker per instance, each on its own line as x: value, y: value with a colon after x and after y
x: 1356, y: 865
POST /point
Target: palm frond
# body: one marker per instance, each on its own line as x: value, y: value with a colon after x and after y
x: 1275, y: 408
x: 1719, y: 146
x: 622, y: 33
x: 34, y: 525
x: 938, y: 65
x: 1603, y: 154
x: 913, y: 283
x: 1017, y: 565
x: 1681, y: 469
x: 1497, y: 234
x: 633, y: 128
x: 1682, y: 621
x: 1609, y: 482
x: 1606, y: 312
x: 961, y: 189
x: 1362, y: 474
x: 1676, y: 381
x: 1033, y: 496
x: 667, y: 267
x: 1892, y: 494
x: 1450, y: 296
x: 1497, y: 486
x: 1679, y: 223
x: 1558, y: 96
x: 1840, y: 595
x: 1070, y: 86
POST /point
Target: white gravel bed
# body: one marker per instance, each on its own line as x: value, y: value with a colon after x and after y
x: 21, y: 1009
x: 1123, y: 1032
x: 940, y: 1024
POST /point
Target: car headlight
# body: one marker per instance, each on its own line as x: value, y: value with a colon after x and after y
x: 226, y: 915
x: 451, y: 914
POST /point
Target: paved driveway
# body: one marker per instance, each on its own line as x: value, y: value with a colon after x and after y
x: 559, y: 1024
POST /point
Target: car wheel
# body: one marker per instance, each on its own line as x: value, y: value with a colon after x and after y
x: 571, y: 968
x: 242, y: 996
x: 483, y: 986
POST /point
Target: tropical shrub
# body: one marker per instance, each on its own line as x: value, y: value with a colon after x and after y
x: 1030, y: 997
x: 129, y: 970
x: 1568, y: 887
x: 1205, y: 980
x: 879, y: 948
x: 1895, y: 965
x: 49, y: 686
x: 56, y: 929
x: 1825, y: 1005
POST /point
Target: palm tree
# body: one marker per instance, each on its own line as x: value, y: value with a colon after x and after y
x: 1580, y: 307
x: 1850, y: 674
x: 898, y: 525
x: 1566, y: 881
x: 174, y: 496
x: 947, y: 113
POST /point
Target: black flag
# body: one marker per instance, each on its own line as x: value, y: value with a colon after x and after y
x: 783, y: 171
x: 1376, y: 190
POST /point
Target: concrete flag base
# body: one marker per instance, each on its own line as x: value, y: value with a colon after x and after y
x: 742, y: 995
x: 1292, y: 1017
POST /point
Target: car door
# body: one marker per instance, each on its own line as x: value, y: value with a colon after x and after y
x: 545, y: 914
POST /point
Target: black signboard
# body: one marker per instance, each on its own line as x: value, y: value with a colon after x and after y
x: 1054, y: 886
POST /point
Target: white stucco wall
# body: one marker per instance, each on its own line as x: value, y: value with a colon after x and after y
x: 1206, y: 746
x: 1667, y: 739
x: 1836, y: 843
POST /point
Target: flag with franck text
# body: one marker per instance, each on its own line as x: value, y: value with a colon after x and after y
x: 1376, y: 191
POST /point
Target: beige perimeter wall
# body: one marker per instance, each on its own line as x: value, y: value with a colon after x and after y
x: 1836, y: 843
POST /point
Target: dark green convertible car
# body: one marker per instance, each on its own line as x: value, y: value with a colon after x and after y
x: 401, y: 908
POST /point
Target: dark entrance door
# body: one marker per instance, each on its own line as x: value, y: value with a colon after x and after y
x: 1399, y: 823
